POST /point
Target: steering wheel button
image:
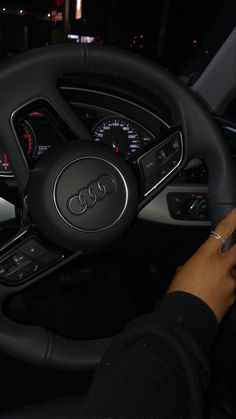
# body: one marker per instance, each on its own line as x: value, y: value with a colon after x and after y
x: 33, y: 249
x: 23, y: 274
x: 149, y: 164
x: 3, y: 272
x: 161, y: 156
x: 20, y: 259
x: 10, y: 265
x: 175, y: 144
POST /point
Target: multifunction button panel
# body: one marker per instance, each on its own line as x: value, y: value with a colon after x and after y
x: 27, y: 259
x: 160, y: 162
x: 188, y: 206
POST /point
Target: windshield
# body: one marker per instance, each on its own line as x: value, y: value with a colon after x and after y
x: 181, y: 35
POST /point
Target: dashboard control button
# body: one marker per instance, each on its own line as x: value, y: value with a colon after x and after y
x: 175, y: 144
x: 9, y: 265
x: 33, y: 248
x: 149, y: 164
x: 18, y: 266
x: 20, y: 259
x: 161, y: 156
x: 13, y: 264
x: 3, y: 271
x: 23, y: 274
x: 188, y: 206
x: 33, y: 268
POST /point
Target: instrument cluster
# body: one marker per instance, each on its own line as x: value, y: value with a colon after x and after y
x: 36, y: 134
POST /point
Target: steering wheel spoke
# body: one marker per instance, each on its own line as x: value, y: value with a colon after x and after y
x: 68, y: 115
x: 26, y: 258
x: 158, y: 165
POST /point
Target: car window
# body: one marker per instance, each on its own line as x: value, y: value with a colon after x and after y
x: 180, y: 34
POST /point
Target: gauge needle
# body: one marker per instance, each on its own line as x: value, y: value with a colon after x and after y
x: 116, y: 147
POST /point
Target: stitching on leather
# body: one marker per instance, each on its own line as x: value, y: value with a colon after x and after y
x: 49, y: 349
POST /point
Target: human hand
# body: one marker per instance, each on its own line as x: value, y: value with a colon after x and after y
x: 210, y: 274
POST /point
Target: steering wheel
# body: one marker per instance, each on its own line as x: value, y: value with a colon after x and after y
x: 81, y: 196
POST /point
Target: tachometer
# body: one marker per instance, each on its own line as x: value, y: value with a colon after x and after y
x: 27, y: 138
x: 27, y: 141
x: 119, y: 133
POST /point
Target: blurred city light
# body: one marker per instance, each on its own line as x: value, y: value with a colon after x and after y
x: 78, y: 12
x: 72, y: 36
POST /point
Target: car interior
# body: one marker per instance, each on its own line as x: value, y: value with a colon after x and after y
x: 112, y: 173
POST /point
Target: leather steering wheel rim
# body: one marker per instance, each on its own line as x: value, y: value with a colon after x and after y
x: 39, y: 71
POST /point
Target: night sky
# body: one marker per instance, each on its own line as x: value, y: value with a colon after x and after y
x: 185, y: 25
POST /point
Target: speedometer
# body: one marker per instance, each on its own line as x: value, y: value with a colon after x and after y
x: 120, y: 134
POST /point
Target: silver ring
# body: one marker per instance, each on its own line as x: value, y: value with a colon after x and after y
x: 217, y: 236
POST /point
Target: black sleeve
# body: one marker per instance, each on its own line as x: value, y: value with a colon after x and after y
x: 157, y: 367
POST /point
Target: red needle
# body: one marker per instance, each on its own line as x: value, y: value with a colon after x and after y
x: 5, y: 159
x: 117, y: 149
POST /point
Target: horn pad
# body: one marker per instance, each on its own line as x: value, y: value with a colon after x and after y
x: 82, y: 195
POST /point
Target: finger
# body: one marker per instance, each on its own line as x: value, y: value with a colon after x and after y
x: 227, y: 226
x: 225, y: 229
x: 230, y: 255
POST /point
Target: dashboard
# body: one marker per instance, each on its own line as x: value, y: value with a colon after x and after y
x: 128, y: 128
x: 37, y: 129
x: 37, y: 132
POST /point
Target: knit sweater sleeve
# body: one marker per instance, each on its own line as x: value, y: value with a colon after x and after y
x: 158, y: 366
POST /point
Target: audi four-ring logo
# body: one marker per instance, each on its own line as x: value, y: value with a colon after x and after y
x: 89, y: 195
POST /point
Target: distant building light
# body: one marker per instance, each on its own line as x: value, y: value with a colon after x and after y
x: 4, y: 9
x: 21, y: 11
x: 86, y: 39
x: 59, y: 16
x: 49, y: 15
x: 56, y: 16
x: 194, y: 41
x: 141, y: 36
x: 83, y: 39
x: 134, y: 42
x: 72, y: 36
x: 206, y: 51
x: 141, y: 46
x: 78, y: 11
